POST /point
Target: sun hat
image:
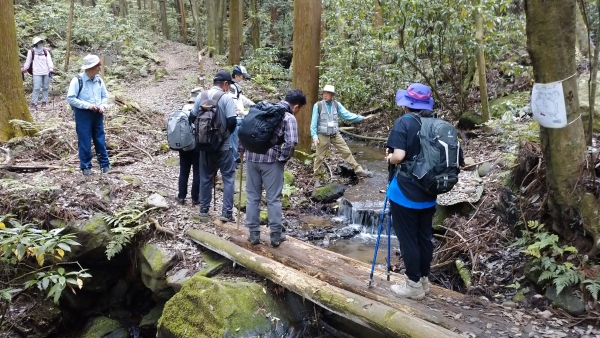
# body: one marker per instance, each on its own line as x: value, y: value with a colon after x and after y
x: 329, y: 88
x: 223, y: 75
x: 240, y: 70
x: 90, y: 61
x: 417, y: 96
x: 36, y: 40
x: 194, y: 94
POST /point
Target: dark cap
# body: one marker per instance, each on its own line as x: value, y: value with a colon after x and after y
x: 223, y: 75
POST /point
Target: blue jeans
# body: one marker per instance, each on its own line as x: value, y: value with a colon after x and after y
x: 40, y: 82
x: 209, y: 164
x: 234, y: 139
x: 89, y: 126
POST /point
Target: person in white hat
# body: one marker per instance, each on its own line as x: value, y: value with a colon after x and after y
x: 324, y: 129
x: 39, y: 65
x: 88, y: 97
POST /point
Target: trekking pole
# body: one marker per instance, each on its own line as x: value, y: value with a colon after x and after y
x: 391, y: 171
x: 215, y: 192
x: 370, y: 281
x: 240, y: 197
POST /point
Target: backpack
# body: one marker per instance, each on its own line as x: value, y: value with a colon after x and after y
x: 436, y: 168
x: 30, y: 69
x: 210, y: 132
x: 258, y: 127
x: 180, y: 134
x: 236, y: 92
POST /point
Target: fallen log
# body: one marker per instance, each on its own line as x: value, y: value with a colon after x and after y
x: 28, y: 168
x: 351, y: 306
x: 363, y: 137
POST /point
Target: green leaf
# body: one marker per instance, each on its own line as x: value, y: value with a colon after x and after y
x: 61, y: 271
x: 64, y: 246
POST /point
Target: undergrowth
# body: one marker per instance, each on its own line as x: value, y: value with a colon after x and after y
x: 125, y: 224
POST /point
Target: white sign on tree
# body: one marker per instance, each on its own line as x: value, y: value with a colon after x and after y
x: 548, y: 105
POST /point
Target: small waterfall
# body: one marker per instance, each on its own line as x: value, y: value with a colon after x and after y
x: 363, y: 216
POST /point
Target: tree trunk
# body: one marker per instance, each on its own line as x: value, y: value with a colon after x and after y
x: 69, y: 34
x: 124, y: 8
x: 593, y: 84
x: 375, y: 315
x: 197, y: 28
x: 221, y: 15
x: 211, y: 27
x: 273, y: 33
x: 236, y: 18
x: 551, y: 45
x: 163, y: 18
x: 152, y: 16
x: 255, y: 31
x: 306, y: 57
x: 183, y: 21
x: 13, y: 105
x: 139, y: 3
x: 485, y: 111
x: 378, y: 14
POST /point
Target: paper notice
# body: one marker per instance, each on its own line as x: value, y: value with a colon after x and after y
x: 548, y: 105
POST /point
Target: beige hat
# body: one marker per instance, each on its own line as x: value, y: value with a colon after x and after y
x: 36, y: 40
x: 194, y: 93
x: 90, y: 61
x: 329, y: 88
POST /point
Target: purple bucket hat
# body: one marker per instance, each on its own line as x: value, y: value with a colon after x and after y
x: 417, y: 96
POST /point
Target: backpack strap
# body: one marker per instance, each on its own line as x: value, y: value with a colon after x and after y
x: 32, y: 55
x: 238, y: 89
x: 80, y: 82
x: 320, y: 107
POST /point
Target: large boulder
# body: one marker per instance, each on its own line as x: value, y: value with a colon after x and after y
x: 210, y: 308
x: 566, y: 300
x: 93, y: 235
x: 584, y: 102
x: 469, y: 120
x: 104, y: 327
x: 154, y: 263
x: 510, y: 102
x: 328, y: 193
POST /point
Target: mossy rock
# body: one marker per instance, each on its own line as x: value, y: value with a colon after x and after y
x: 509, y: 102
x: 157, y: 260
x: 211, y: 308
x: 303, y: 157
x: 328, y: 193
x: 264, y: 217
x: 172, y: 162
x: 102, y: 326
x: 136, y: 182
x: 213, y: 264
x: 160, y: 73
x: 150, y: 320
x: 93, y: 235
x: 288, y: 178
x: 469, y: 120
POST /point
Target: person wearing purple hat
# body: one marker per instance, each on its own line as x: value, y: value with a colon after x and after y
x: 411, y: 206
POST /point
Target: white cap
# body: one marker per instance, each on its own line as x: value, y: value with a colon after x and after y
x: 329, y: 88
x: 90, y: 61
x: 36, y: 40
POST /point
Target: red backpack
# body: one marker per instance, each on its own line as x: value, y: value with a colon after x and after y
x: 30, y: 69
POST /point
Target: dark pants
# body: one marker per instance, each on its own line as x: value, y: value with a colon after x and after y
x: 189, y: 160
x: 89, y: 126
x: 209, y: 164
x: 414, y: 230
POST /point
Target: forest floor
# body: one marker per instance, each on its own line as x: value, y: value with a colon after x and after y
x: 142, y: 165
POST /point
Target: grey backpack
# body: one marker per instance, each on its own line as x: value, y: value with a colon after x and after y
x: 436, y: 167
x: 180, y: 134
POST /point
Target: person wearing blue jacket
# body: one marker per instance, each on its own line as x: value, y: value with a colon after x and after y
x: 324, y: 129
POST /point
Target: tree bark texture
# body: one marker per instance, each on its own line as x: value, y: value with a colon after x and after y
x: 212, y: 9
x: 273, y: 16
x: 163, y: 18
x: 593, y: 84
x: 306, y: 57
x: 255, y: 31
x: 221, y: 15
x: 197, y: 27
x: 236, y: 18
x: 375, y: 315
x: 183, y: 21
x: 378, y: 14
x: 485, y: 111
x: 13, y: 105
x: 69, y: 34
x: 139, y: 3
x: 124, y: 10
x: 551, y: 45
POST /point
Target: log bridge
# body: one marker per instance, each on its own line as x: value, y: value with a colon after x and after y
x: 339, y: 284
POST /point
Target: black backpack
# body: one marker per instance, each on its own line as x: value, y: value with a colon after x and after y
x: 258, y: 127
x: 210, y: 132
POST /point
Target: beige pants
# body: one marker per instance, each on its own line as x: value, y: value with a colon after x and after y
x: 338, y: 142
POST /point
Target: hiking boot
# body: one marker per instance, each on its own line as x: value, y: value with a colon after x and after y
x: 409, y: 289
x: 181, y: 200
x: 86, y: 172
x: 227, y: 217
x: 254, y: 237
x: 276, y: 239
x: 43, y: 105
x: 33, y: 106
x: 425, y: 284
x: 195, y: 202
x: 364, y: 173
x: 105, y: 170
x: 204, y: 215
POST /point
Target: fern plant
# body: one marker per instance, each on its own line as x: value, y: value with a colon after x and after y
x: 126, y: 224
x: 593, y: 286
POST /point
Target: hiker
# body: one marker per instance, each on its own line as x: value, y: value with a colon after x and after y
x: 412, y: 206
x: 189, y: 161
x: 267, y: 170
x: 324, y: 129
x: 216, y: 153
x: 39, y: 65
x: 239, y: 74
x: 88, y: 97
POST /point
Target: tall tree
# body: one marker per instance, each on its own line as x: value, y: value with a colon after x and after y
x: 12, y: 95
x: 307, y: 24
x: 378, y: 14
x: 485, y: 110
x: 124, y: 10
x: 69, y: 34
x: 273, y: 16
x: 139, y: 3
x: 152, y: 16
x: 551, y: 45
x: 197, y: 27
x: 211, y: 26
x: 220, y: 26
x: 183, y: 21
x: 236, y: 18
x: 163, y: 18
x: 255, y: 31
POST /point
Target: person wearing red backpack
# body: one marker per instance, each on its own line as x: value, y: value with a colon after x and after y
x: 39, y: 65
